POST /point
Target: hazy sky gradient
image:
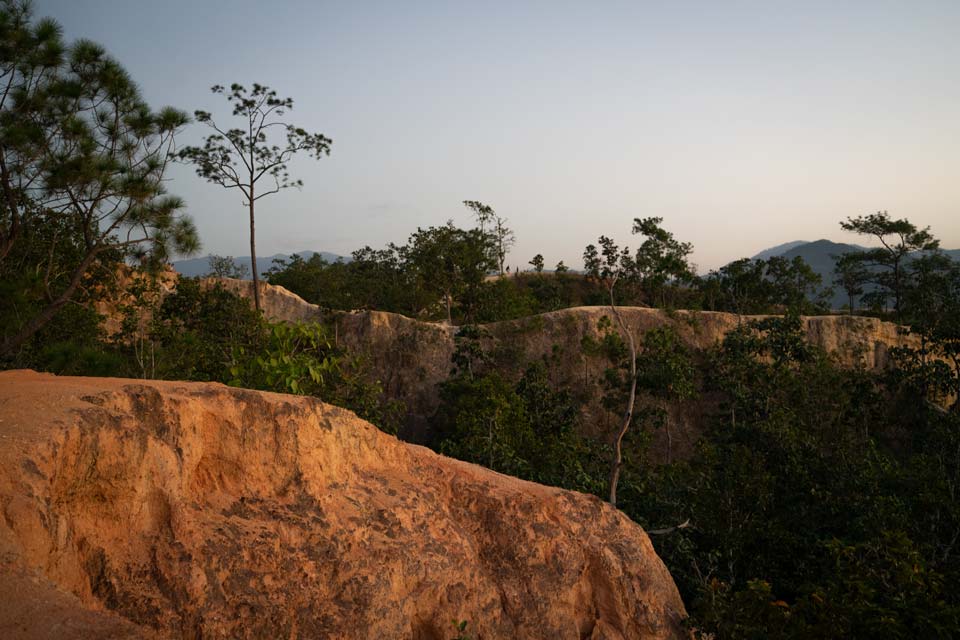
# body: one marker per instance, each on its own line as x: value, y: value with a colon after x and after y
x: 742, y: 124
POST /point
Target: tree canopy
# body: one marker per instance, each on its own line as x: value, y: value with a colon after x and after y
x: 886, y: 264
x: 82, y: 163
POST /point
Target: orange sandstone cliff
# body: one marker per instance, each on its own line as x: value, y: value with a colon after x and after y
x: 183, y: 510
x: 411, y: 357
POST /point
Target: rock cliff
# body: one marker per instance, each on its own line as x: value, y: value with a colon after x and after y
x: 411, y: 357
x: 187, y: 510
x: 277, y: 302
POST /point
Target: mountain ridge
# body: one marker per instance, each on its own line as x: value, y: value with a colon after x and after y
x: 778, y: 250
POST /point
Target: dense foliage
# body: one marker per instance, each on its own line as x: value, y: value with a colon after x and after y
x: 760, y: 286
x: 887, y: 267
x: 388, y: 280
x: 208, y: 334
x: 449, y: 273
x: 820, y: 503
x: 808, y: 514
x: 526, y: 428
x: 82, y: 163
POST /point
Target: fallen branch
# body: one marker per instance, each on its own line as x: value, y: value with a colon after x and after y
x: 660, y: 532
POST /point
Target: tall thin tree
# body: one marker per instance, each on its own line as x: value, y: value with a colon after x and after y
x: 659, y: 260
x: 238, y: 158
x: 611, y: 266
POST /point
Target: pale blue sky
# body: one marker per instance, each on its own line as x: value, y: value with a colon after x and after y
x: 742, y: 124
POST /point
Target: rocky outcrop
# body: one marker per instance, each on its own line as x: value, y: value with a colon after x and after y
x: 277, y: 302
x: 134, y: 293
x: 128, y: 296
x: 187, y: 510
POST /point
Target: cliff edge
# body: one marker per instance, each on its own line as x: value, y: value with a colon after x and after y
x: 175, y: 510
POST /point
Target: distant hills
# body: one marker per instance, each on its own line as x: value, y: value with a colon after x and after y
x: 779, y: 250
x: 201, y: 266
x: 820, y: 255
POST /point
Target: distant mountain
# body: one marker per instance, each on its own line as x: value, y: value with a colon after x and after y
x: 820, y: 255
x: 201, y: 266
x: 778, y: 250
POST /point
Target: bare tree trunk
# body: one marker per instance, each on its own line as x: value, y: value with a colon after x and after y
x: 10, y: 235
x: 628, y: 415
x: 955, y: 407
x: 490, y: 444
x: 669, y: 436
x: 446, y: 297
x: 896, y: 291
x: 253, y: 253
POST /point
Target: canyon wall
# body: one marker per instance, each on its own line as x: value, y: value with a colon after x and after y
x: 195, y: 510
x: 411, y: 357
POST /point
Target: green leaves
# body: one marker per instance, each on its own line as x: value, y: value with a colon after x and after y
x: 776, y: 285
x: 527, y: 429
x: 239, y: 157
x: 887, y: 264
x: 297, y: 358
x: 460, y: 627
x: 665, y: 365
x: 651, y: 274
x: 78, y: 142
x: 822, y: 507
x: 449, y: 262
x: 660, y: 259
x: 301, y: 359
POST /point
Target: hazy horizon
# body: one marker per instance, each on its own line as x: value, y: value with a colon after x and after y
x: 744, y: 126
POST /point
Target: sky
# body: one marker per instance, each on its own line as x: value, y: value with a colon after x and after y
x: 742, y: 124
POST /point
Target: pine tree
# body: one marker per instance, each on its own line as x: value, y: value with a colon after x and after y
x: 239, y: 158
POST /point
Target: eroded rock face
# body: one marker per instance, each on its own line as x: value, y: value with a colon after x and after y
x: 200, y: 511
x: 277, y: 302
x: 412, y: 358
